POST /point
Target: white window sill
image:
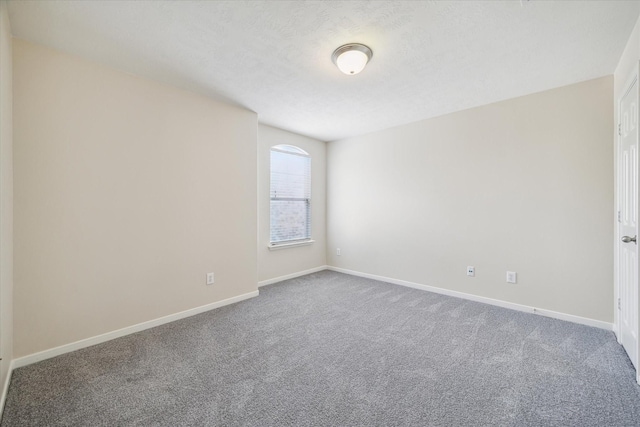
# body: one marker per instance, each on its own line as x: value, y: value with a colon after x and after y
x: 273, y: 247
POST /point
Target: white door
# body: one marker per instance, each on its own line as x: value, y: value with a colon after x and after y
x: 628, y: 222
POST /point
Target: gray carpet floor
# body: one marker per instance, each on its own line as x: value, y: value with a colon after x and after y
x: 330, y: 349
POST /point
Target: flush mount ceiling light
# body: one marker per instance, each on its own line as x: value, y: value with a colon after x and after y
x: 351, y: 58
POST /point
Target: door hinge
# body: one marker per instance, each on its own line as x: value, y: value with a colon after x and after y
x: 618, y: 303
x: 619, y: 129
x: 619, y: 216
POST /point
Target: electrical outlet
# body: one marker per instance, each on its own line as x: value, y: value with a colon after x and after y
x: 471, y: 271
x: 512, y: 277
x: 210, y: 279
x: 338, y: 251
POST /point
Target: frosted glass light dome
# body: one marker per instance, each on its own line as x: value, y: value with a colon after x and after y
x: 351, y: 58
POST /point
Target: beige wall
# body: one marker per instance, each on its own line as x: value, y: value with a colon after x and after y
x: 628, y: 62
x: 282, y: 262
x: 6, y: 195
x: 524, y: 185
x: 127, y: 192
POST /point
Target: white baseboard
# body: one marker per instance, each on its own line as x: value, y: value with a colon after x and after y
x: 5, y: 388
x: 505, y: 304
x: 47, y: 354
x: 292, y: 276
x: 53, y: 352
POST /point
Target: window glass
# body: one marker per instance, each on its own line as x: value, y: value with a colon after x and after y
x: 290, y: 194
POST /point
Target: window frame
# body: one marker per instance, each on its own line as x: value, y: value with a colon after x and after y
x: 282, y: 244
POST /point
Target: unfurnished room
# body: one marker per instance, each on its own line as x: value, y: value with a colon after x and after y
x: 319, y: 213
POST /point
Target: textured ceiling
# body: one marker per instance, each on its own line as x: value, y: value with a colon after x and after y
x: 274, y: 57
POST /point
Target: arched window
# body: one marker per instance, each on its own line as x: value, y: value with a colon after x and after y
x: 290, y: 195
